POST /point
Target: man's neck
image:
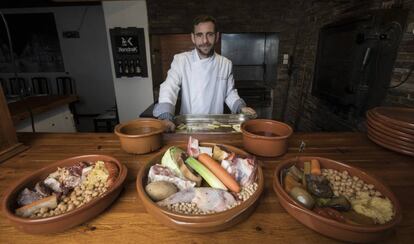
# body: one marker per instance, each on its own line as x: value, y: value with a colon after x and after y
x: 203, y: 56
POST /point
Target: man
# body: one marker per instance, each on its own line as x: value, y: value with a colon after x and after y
x: 204, y: 77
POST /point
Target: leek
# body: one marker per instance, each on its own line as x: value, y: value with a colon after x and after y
x: 204, y: 172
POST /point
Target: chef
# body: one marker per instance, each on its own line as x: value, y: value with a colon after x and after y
x: 204, y: 77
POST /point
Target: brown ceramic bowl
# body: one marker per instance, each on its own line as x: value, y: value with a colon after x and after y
x: 384, y: 143
x: 388, y: 123
x: 389, y: 131
x: 396, y: 141
x: 67, y: 220
x: 264, y: 137
x: 140, y: 136
x: 329, y: 227
x: 399, y: 116
x: 198, y: 223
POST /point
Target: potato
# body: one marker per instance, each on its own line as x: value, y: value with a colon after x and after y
x: 160, y: 190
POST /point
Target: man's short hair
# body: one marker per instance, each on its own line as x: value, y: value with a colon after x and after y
x: 204, y: 18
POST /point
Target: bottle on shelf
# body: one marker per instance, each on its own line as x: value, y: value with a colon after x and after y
x: 138, y: 68
x: 131, y: 66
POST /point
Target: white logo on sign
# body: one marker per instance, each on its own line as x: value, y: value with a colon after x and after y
x: 126, y: 41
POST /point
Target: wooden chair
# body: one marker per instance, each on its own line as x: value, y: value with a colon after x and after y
x: 18, y: 86
x: 65, y: 85
x: 40, y: 86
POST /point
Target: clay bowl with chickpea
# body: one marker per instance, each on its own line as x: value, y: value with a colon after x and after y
x: 64, y: 194
x: 336, y: 200
x: 186, y: 216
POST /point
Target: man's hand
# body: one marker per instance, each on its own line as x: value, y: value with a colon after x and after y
x: 169, y: 126
x: 249, y: 112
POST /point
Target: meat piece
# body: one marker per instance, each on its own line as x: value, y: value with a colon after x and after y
x: 206, y: 198
x: 244, y: 170
x: 71, y: 181
x: 27, y: 196
x: 53, y: 184
x: 113, y: 173
x: 47, y: 202
x: 42, y: 189
x: 85, y: 172
x: 192, y: 148
x: 160, y: 173
x: 77, y: 168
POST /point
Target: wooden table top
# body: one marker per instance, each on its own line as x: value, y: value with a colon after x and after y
x: 38, y: 104
x: 127, y: 221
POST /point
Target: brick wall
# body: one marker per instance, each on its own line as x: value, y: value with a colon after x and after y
x: 297, y: 22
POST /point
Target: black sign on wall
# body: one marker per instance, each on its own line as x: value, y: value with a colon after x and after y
x: 128, y: 51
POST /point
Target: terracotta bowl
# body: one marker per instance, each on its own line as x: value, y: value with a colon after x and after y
x: 373, y: 116
x: 140, y: 136
x: 264, y: 137
x: 388, y: 130
x: 198, y: 223
x: 385, y: 143
x: 329, y: 227
x: 69, y: 219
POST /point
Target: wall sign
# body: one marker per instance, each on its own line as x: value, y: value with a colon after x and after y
x: 128, y: 51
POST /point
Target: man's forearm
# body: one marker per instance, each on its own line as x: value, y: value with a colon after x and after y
x: 164, y: 111
x: 238, y: 105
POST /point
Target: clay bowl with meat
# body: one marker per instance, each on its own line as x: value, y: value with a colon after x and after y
x: 329, y: 227
x: 71, y: 218
x: 198, y: 223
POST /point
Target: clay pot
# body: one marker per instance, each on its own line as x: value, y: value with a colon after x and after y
x: 264, y: 137
x: 69, y: 219
x: 140, y: 136
x: 329, y: 227
x: 198, y: 223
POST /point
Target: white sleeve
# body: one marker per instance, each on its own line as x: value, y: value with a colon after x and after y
x: 171, y: 86
x: 233, y: 99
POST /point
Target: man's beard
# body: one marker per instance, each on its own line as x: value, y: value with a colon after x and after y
x: 208, y: 53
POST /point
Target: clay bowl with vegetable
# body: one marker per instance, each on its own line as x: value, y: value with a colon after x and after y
x: 264, y: 137
x: 192, y: 191
x: 336, y: 200
x: 140, y: 136
x: 64, y: 194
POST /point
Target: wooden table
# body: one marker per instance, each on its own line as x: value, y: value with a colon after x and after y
x: 126, y: 221
x: 38, y: 104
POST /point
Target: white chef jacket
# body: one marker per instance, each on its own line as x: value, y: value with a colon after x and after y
x: 205, y: 85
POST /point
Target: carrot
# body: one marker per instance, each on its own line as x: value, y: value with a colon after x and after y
x: 219, y: 172
x: 315, y: 167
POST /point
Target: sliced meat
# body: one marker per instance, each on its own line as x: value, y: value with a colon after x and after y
x: 42, y: 189
x: 53, y: 184
x: 47, y: 202
x: 160, y: 173
x: 77, y: 168
x: 27, y: 196
x: 113, y: 173
x: 206, y: 199
x: 244, y: 170
x: 192, y: 148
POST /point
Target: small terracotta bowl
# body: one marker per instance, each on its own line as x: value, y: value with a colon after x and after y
x: 264, y: 137
x: 69, y: 219
x: 329, y: 227
x: 198, y: 223
x: 140, y: 136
